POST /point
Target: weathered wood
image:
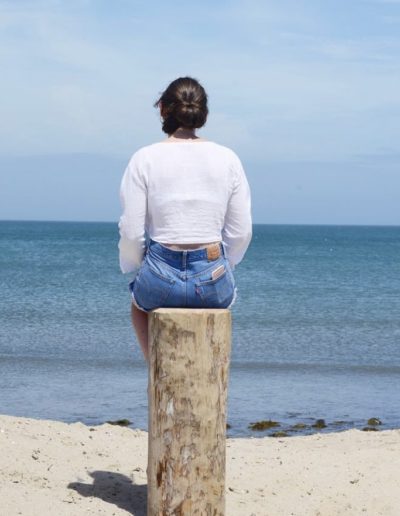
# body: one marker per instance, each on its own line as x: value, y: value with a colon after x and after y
x: 189, y: 354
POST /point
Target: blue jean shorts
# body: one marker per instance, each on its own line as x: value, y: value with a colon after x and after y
x: 183, y: 279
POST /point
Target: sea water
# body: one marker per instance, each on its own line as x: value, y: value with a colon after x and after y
x: 316, y: 327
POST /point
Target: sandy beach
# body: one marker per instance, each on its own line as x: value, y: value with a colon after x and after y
x: 53, y: 468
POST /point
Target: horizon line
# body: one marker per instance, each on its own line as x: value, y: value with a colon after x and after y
x: 346, y: 224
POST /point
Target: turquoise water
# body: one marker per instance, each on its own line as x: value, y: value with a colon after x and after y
x: 316, y: 327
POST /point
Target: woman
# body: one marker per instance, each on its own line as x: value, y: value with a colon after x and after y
x: 186, y: 218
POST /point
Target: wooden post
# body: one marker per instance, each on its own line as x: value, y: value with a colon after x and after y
x: 189, y: 354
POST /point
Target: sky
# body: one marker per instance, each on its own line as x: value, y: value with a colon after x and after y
x: 307, y: 93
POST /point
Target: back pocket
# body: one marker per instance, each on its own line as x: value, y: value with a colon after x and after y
x: 215, y: 292
x: 151, y: 289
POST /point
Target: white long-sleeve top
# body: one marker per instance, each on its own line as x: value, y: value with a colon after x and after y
x: 184, y: 192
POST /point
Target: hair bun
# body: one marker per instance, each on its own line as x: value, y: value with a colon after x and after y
x: 188, y: 114
x: 184, y: 104
x: 189, y: 103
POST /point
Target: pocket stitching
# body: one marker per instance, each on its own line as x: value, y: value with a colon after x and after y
x: 164, y: 298
x: 156, y: 273
x: 204, y: 271
x: 211, y: 281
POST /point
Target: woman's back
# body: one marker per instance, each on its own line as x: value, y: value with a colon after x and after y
x: 188, y: 186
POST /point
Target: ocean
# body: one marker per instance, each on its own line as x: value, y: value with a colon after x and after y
x: 316, y: 327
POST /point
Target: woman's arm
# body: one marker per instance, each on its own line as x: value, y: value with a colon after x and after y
x: 237, y: 231
x: 133, y: 194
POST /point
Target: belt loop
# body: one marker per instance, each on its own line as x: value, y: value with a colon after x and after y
x: 223, y: 249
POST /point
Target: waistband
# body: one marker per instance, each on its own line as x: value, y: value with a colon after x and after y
x: 210, y: 252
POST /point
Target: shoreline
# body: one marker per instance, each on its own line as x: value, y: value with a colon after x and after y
x: 49, y: 467
x: 255, y: 428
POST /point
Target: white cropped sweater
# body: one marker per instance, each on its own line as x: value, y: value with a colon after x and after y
x: 180, y: 193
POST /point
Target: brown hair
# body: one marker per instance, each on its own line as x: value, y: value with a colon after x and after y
x: 183, y: 104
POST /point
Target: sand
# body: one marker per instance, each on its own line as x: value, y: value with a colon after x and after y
x: 53, y: 468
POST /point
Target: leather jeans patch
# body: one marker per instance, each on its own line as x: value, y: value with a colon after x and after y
x: 213, y: 252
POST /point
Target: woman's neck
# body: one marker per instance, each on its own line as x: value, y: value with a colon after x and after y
x: 184, y: 134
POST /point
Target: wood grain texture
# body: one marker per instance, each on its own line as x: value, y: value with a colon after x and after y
x: 189, y: 354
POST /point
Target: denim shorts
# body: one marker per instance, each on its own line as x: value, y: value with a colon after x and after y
x: 182, y: 279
